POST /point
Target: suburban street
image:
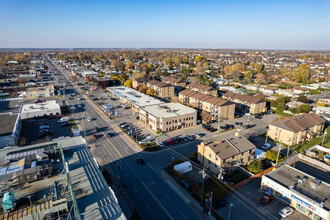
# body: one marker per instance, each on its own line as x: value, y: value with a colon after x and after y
x: 144, y: 188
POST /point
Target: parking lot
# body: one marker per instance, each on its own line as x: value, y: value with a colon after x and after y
x: 246, y: 205
x: 30, y: 130
x: 249, y: 126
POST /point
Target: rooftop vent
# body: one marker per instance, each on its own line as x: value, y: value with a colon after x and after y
x: 315, y: 183
x: 302, y: 180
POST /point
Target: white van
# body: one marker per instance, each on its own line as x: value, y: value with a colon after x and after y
x: 64, y: 119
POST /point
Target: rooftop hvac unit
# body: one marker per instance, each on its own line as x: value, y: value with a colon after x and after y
x: 302, y: 180
x: 315, y: 183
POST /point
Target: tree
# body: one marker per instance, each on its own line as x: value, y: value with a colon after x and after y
x: 239, y: 67
x: 206, y: 117
x: 21, y: 81
x: 305, y: 108
x: 255, y: 166
x: 128, y: 83
x: 303, y: 99
x: 272, y: 155
x: 193, y: 156
x: 129, y: 65
x: 228, y: 69
x: 122, y: 77
x: 302, y: 73
x: 152, y: 92
x: 248, y: 74
x: 143, y: 89
x: 260, y: 78
x: 280, y: 107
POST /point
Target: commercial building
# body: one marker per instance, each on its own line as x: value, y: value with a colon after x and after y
x: 168, y: 117
x: 59, y: 179
x: 215, y: 106
x: 162, y: 90
x: 203, y: 89
x: 302, y: 191
x: 296, y: 129
x: 133, y: 97
x: 47, y: 108
x: 39, y: 92
x: 254, y: 105
x: 10, y: 128
x: 104, y: 82
x: 225, y: 154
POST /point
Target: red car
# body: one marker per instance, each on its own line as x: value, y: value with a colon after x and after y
x: 94, y: 136
x: 266, y: 199
x: 170, y: 142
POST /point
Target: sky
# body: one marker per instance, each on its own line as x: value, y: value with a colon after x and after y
x: 232, y: 24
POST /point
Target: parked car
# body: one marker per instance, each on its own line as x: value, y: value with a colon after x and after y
x: 43, y: 127
x: 170, y: 142
x: 186, y: 139
x: 37, y: 101
x: 89, y: 119
x: 265, y: 146
x: 161, y: 144
x: 212, y: 129
x: 97, y: 129
x: 285, y: 212
x: 44, y: 133
x: 166, y: 143
x: 94, y: 136
x: 110, y: 135
x: 238, y: 123
x: 140, y: 161
x: 224, y: 127
x: 266, y: 199
x: 65, y: 124
x: 230, y: 126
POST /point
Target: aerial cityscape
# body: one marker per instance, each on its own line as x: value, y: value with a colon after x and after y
x: 165, y: 110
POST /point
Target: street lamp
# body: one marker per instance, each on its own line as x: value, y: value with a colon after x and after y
x: 231, y: 204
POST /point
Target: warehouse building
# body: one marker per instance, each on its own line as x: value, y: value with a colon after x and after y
x: 168, y: 117
x: 47, y: 108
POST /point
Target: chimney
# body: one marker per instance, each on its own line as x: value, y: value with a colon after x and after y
x: 202, y: 151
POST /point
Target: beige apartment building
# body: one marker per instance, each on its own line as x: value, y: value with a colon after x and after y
x: 174, y: 81
x: 215, y: 106
x: 226, y: 153
x: 296, y: 129
x: 138, y: 82
x: 39, y: 92
x: 163, y: 90
x: 168, y: 117
x: 208, y: 90
x: 256, y: 105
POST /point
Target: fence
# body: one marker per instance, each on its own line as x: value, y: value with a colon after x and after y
x: 254, y: 177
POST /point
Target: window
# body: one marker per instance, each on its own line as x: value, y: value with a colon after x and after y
x: 216, y: 158
x: 232, y: 157
x: 210, y: 155
x: 209, y: 162
x: 224, y: 161
x: 276, y: 134
x: 216, y: 166
x: 242, y: 153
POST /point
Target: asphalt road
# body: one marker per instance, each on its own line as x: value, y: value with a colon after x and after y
x: 144, y: 188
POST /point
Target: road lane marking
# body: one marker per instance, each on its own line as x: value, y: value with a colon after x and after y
x: 183, y: 215
x: 167, y: 198
x: 158, y: 201
x: 148, y: 207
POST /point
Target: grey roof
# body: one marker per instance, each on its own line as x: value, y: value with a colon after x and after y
x: 7, y: 124
x: 288, y: 176
x: 230, y: 147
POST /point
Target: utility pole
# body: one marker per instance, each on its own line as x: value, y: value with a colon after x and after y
x: 287, y: 153
x: 325, y: 133
x: 231, y: 204
x: 203, y: 176
x: 278, y: 153
x: 211, y: 203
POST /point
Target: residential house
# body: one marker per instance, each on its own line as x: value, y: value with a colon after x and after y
x: 175, y: 82
x: 296, y: 129
x: 268, y: 90
x: 226, y: 153
x: 300, y: 91
x: 255, y: 105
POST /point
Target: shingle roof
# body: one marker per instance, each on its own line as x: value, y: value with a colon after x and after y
x: 243, y: 98
x: 230, y: 147
x: 173, y: 80
x: 205, y: 98
x: 158, y: 83
x: 200, y: 87
x: 299, y: 122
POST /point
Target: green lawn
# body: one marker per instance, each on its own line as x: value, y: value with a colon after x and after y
x: 236, y: 177
x: 74, y: 125
x: 282, y: 113
x: 315, y: 141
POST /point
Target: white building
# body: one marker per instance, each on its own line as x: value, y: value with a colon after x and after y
x: 47, y: 108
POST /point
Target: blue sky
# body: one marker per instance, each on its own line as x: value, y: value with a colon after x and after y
x: 267, y: 24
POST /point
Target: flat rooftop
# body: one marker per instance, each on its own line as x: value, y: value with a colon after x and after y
x: 168, y: 110
x: 95, y: 199
x: 44, y: 106
x: 7, y: 123
x: 288, y: 176
x: 131, y: 95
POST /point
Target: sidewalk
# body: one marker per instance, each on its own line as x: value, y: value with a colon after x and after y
x: 185, y: 196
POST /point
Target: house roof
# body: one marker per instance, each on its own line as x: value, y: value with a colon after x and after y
x: 206, y: 98
x: 200, y: 87
x: 173, y: 80
x: 243, y: 98
x: 229, y: 147
x: 299, y: 122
